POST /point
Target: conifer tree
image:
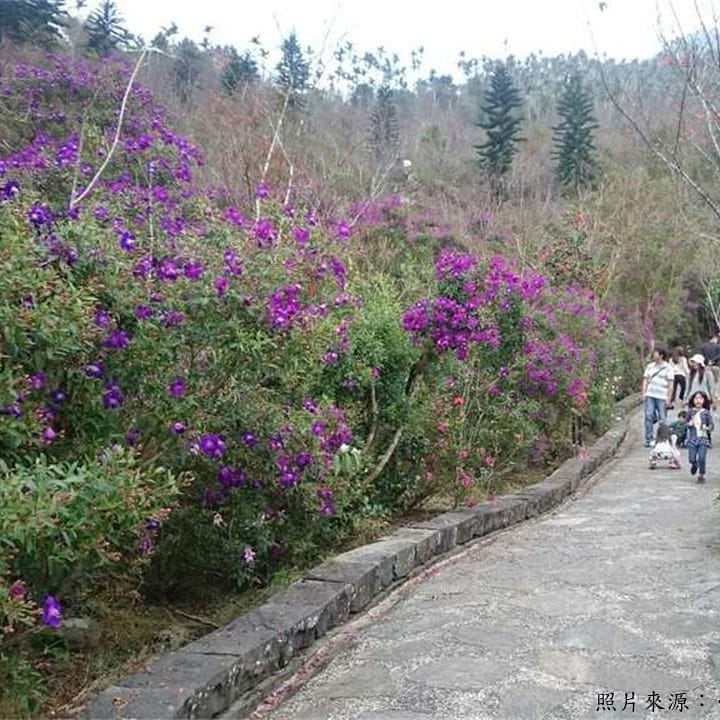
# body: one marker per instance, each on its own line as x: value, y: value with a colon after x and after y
x: 239, y: 70
x: 501, y: 125
x: 105, y: 29
x: 384, y: 127
x: 574, y: 153
x: 293, y: 71
x: 39, y: 21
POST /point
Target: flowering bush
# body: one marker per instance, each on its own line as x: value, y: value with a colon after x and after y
x: 152, y: 331
x: 529, y: 356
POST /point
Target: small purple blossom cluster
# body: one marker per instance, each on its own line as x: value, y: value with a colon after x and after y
x: 469, y: 311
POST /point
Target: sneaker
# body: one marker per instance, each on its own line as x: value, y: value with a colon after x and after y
x: 693, y: 469
x: 673, y: 464
x: 701, y: 479
x: 653, y: 465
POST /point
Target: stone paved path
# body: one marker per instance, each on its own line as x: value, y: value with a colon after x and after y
x: 616, y: 591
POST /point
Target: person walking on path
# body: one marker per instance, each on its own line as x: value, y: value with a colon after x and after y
x: 681, y: 370
x: 700, y: 423
x: 657, y: 387
x: 710, y: 350
x: 700, y: 379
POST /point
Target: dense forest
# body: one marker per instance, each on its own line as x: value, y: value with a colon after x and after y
x: 250, y: 315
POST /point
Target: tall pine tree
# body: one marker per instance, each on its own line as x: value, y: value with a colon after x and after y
x: 384, y: 127
x: 293, y: 71
x: 38, y: 21
x: 501, y: 124
x: 105, y: 29
x: 576, y: 165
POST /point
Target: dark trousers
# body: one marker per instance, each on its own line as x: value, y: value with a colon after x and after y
x: 679, y: 382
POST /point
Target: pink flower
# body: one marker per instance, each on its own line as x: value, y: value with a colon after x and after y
x: 248, y: 556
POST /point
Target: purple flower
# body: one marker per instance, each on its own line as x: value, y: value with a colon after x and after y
x: 37, y: 380
x: 343, y: 230
x: 275, y: 444
x: 289, y: 478
x: 234, y: 216
x: 144, y: 267
x: 127, y: 241
x: 221, y: 286
x: 58, y: 396
x: 101, y: 213
x: 40, y: 215
x: 102, y: 318
x: 167, y: 270
x: 152, y: 525
x: 301, y: 235
x: 325, y: 495
x: 112, y: 398
x: 143, y: 312
x: 303, y: 460
x: 265, y: 232
x: 177, y: 388
x: 146, y: 545
x: 193, y: 270
x: 317, y: 428
x: 48, y: 435
x: 132, y: 436
x: 262, y: 191
x: 212, y: 445
x: 94, y: 370
x: 284, y: 307
x: 118, y: 340
x: 173, y: 318
x: 233, y: 263
x: 9, y: 190
x: 249, y: 439
x: 230, y: 477
x: 178, y: 428
x: 52, y: 612
x: 330, y: 357
x: 310, y: 405
x: 13, y: 410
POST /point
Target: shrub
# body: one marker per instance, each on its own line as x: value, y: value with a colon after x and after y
x: 65, y: 527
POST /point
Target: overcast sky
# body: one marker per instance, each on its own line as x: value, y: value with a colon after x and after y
x: 496, y: 28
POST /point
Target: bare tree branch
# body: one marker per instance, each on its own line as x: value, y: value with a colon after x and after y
x: 74, y: 201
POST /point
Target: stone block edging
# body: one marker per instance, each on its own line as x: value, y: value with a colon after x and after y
x: 210, y: 674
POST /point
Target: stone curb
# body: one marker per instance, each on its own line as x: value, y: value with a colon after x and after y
x: 207, y: 676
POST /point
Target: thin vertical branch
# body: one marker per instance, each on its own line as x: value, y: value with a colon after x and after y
x: 271, y: 151
x: 74, y: 201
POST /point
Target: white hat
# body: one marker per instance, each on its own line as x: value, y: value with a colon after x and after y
x: 698, y: 359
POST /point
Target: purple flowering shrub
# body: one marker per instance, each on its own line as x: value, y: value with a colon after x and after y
x: 255, y: 350
x: 214, y: 340
x: 529, y: 355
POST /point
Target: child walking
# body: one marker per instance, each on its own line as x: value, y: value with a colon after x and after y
x: 700, y: 423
